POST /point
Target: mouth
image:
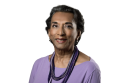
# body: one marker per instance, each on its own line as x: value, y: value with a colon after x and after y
x: 61, y: 40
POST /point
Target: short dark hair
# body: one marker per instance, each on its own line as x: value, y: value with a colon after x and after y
x: 77, y: 17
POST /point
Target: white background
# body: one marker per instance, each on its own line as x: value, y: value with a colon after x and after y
x: 23, y: 38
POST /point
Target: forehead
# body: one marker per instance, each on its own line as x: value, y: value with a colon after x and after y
x: 62, y: 16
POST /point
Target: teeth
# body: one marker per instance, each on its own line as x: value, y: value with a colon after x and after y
x: 61, y: 39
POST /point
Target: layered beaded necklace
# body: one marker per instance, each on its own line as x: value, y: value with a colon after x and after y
x: 68, y: 70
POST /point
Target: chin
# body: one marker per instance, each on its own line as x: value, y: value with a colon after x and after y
x: 61, y: 47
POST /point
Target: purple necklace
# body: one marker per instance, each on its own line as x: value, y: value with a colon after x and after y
x: 68, y: 70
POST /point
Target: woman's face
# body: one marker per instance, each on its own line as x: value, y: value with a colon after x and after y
x: 63, y: 30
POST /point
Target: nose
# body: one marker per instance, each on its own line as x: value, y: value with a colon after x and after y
x: 61, y: 31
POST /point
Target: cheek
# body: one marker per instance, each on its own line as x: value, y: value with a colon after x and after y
x: 72, y: 35
x: 52, y: 33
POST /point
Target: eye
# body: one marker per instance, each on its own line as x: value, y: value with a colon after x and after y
x: 55, y: 26
x: 68, y: 26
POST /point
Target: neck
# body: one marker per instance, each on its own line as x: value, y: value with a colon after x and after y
x: 63, y: 54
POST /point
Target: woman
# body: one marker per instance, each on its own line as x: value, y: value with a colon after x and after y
x: 67, y: 64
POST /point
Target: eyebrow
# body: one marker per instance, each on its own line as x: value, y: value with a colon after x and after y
x: 65, y: 23
x: 68, y: 23
x: 54, y: 22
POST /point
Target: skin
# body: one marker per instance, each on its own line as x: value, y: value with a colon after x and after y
x: 64, y: 26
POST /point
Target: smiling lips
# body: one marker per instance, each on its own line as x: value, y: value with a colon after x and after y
x: 61, y: 40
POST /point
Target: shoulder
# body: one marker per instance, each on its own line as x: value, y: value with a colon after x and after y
x: 40, y: 60
x: 92, y: 69
x: 37, y: 64
x: 93, y: 72
x: 82, y: 58
x: 87, y: 63
x: 92, y: 66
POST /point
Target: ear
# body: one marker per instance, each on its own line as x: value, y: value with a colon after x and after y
x: 49, y: 32
x: 78, y: 34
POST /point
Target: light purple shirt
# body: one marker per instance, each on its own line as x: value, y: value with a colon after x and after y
x: 86, y: 72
